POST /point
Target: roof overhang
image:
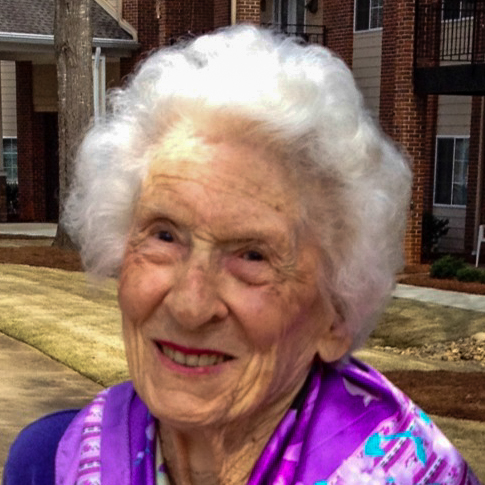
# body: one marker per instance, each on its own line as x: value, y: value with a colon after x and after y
x: 20, y: 46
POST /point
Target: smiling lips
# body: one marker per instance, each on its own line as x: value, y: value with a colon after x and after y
x: 191, y: 357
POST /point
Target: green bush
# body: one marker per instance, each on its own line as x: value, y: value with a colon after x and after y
x: 446, y: 267
x: 434, y: 229
x: 470, y: 274
x: 12, y: 199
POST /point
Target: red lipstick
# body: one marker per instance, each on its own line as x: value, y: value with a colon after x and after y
x: 189, y: 351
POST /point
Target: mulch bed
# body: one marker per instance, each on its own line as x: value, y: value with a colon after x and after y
x: 418, y: 275
x: 452, y: 394
x: 47, y: 256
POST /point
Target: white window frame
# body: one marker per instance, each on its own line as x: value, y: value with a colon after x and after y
x: 371, y: 8
x: 454, y: 137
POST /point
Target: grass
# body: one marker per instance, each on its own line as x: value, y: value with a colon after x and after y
x: 409, y: 323
x: 65, y: 317
x: 77, y: 322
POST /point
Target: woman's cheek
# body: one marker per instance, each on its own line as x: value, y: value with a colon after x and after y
x: 142, y: 287
x: 262, y: 314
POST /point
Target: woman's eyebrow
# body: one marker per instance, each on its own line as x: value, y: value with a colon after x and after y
x: 272, y: 238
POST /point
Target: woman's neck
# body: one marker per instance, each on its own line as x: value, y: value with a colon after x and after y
x: 218, y: 456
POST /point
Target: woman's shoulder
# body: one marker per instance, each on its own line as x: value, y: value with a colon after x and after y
x: 375, y: 429
x: 31, y: 457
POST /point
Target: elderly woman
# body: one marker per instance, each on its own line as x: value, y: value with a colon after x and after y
x: 253, y: 215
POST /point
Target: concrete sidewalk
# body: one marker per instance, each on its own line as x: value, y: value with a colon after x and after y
x: 33, y: 385
x: 454, y: 299
x: 33, y: 229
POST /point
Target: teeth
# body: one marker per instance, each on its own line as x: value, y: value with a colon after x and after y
x: 204, y: 359
x: 179, y: 357
x: 192, y: 360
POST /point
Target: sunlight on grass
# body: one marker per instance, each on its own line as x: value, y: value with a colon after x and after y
x: 66, y: 317
x: 409, y: 323
x: 77, y: 322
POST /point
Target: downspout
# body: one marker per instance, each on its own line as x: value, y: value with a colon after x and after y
x: 478, y: 207
x: 97, y: 57
x: 233, y: 12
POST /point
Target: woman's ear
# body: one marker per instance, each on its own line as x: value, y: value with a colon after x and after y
x: 335, y: 342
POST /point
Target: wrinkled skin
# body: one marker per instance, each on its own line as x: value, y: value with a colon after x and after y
x: 218, y: 262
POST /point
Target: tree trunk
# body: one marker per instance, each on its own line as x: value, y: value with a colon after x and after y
x: 73, y: 38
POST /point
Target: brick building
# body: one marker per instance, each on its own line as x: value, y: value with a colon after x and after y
x: 419, y: 63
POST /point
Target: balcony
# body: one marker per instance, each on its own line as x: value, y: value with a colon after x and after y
x: 450, y: 48
x: 310, y: 33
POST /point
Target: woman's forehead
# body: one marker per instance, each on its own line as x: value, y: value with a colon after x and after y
x: 230, y: 168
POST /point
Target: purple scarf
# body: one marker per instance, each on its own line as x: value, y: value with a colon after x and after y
x: 348, y: 425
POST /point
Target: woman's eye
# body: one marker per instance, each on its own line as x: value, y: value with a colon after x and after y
x: 165, y: 236
x: 253, y: 256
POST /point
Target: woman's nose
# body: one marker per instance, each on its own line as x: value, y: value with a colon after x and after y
x: 193, y: 300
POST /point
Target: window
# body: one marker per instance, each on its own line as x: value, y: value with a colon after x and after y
x: 451, y: 171
x: 368, y: 14
x: 458, y: 9
x: 10, y: 159
x: 289, y: 12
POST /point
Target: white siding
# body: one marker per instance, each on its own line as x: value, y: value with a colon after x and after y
x: 366, y: 66
x: 314, y: 18
x: 454, y: 241
x: 44, y: 87
x: 454, y: 114
x: 267, y: 15
x: 9, y: 98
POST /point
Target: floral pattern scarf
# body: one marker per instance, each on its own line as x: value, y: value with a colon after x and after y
x: 348, y: 425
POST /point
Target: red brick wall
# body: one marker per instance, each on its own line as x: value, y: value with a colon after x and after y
x: 338, y: 17
x: 388, y: 69
x: 143, y: 16
x: 248, y: 11
x: 182, y: 16
x: 430, y: 148
x: 403, y: 114
x: 161, y: 23
x: 30, y: 146
x: 130, y: 12
x: 222, y: 13
x: 473, y: 173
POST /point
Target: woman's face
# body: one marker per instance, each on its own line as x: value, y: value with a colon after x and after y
x: 222, y: 315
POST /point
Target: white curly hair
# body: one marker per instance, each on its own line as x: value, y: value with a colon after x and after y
x: 301, y: 99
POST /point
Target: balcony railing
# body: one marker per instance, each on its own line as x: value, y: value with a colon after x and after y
x: 450, y: 33
x: 310, y: 33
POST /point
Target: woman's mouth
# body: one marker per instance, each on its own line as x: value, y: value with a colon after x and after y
x: 192, y: 357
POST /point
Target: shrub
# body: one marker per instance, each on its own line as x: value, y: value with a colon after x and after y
x: 434, y: 229
x: 12, y: 199
x: 470, y: 274
x: 446, y: 267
